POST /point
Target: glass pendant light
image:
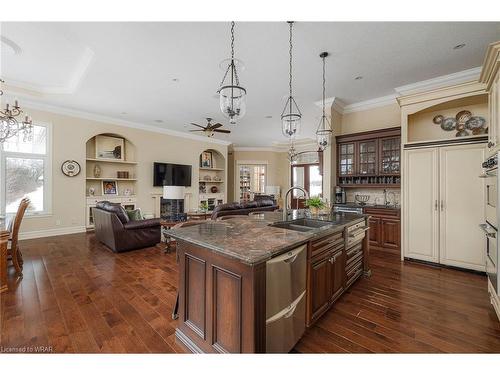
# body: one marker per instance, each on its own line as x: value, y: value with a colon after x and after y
x: 324, y: 131
x: 290, y: 117
x: 231, y: 94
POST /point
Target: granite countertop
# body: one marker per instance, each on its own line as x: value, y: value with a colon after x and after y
x: 251, y: 240
x: 369, y: 205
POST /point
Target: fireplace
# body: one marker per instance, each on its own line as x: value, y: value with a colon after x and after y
x: 172, y: 209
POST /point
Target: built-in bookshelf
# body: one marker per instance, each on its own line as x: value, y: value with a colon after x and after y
x: 210, y: 179
x: 109, y: 169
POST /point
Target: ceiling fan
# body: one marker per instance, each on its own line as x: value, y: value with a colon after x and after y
x: 210, y: 129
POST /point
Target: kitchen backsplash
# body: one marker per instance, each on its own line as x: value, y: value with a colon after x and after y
x: 375, y: 194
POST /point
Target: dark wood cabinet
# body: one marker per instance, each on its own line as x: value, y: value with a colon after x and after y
x: 369, y: 159
x: 337, y: 273
x: 320, y: 286
x: 346, y: 153
x: 385, y: 228
x: 328, y: 274
x: 374, y: 232
x: 390, y: 233
x: 390, y: 155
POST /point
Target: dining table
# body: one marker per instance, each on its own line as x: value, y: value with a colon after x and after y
x: 4, y: 237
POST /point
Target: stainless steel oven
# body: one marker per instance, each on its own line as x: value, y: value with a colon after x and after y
x: 490, y: 228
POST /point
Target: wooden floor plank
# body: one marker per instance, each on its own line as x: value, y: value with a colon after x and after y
x: 78, y: 296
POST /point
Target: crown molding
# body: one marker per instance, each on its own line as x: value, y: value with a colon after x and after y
x: 439, y: 82
x: 70, y: 88
x: 114, y: 121
x: 254, y: 149
x: 333, y: 103
x: 491, y: 64
x: 371, y: 103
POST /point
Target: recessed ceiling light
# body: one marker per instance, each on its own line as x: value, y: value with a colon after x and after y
x: 159, y: 121
x: 124, y: 113
x: 458, y: 46
x: 175, y: 79
x: 269, y: 116
x: 358, y: 78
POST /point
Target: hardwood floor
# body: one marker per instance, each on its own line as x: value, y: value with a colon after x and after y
x: 78, y: 296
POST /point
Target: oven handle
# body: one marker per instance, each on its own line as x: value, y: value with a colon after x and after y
x: 485, y: 227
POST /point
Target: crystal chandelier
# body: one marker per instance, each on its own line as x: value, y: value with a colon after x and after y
x: 231, y: 94
x: 292, y: 153
x: 324, y: 131
x: 10, y: 126
x: 290, y: 117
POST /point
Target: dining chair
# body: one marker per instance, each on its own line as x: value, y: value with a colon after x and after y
x: 13, y: 250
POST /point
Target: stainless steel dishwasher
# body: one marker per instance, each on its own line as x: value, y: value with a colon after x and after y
x: 286, y: 300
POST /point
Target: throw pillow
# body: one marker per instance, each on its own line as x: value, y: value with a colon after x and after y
x: 134, y: 214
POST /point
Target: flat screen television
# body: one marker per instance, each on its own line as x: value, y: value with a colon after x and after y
x: 165, y: 174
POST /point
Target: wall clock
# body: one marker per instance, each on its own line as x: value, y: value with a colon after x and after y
x: 70, y: 168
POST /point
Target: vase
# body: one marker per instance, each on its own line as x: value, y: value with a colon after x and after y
x: 314, y: 210
x: 97, y: 171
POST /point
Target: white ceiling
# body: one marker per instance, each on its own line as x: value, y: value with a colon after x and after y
x: 111, y: 68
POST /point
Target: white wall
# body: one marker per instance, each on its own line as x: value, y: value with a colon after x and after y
x: 69, y: 142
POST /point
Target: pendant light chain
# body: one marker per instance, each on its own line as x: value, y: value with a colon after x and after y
x: 290, y: 63
x: 324, y: 84
x: 231, y: 94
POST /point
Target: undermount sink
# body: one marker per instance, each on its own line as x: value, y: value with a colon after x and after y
x: 300, y: 225
x: 311, y: 223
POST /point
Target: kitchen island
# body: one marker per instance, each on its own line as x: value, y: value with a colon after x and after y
x: 252, y: 285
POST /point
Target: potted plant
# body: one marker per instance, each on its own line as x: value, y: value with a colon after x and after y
x: 314, y: 204
x: 204, y: 207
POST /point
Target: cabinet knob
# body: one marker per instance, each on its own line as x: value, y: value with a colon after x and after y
x: 490, y: 144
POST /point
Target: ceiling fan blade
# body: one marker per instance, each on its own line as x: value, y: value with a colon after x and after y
x: 198, y: 125
x: 222, y: 131
x: 215, y: 126
x: 196, y: 130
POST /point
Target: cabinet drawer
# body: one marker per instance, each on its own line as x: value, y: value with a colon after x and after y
x: 383, y: 212
x: 327, y: 243
x: 353, y: 262
x: 354, y: 272
x: 352, y: 251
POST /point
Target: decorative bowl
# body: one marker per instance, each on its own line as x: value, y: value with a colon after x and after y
x: 361, y: 198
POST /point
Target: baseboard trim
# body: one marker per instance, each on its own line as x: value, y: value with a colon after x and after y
x: 494, y: 299
x: 51, y: 232
x: 186, y: 341
x: 439, y: 265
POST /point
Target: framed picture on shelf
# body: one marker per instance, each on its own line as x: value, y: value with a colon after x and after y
x: 110, y: 148
x: 109, y: 187
x: 206, y: 160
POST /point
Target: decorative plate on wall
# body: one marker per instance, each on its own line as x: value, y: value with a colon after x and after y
x: 448, y: 124
x: 475, y: 122
x: 70, y: 168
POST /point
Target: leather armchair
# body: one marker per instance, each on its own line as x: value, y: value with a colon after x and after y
x: 114, y: 229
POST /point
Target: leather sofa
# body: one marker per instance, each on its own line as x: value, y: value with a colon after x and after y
x: 114, y: 228
x: 243, y: 208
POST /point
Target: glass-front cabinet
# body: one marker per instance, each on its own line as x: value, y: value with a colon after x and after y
x: 346, y: 159
x: 390, y: 162
x: 369, y: 158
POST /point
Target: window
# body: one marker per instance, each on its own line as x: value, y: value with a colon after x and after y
x: 308, y: 177
x: 25, y: 171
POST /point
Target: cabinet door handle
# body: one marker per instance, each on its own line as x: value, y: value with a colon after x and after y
x: 435, y: 205
x: 442, y: 205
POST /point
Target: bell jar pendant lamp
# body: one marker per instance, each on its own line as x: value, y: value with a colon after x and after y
x: 290, y: 117
x: 324, y: 131
x: 231, y: 94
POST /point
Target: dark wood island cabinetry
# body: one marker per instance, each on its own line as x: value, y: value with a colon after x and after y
x: 222, y: 293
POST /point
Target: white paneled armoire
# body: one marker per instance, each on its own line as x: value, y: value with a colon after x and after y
x: 442, y: 194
